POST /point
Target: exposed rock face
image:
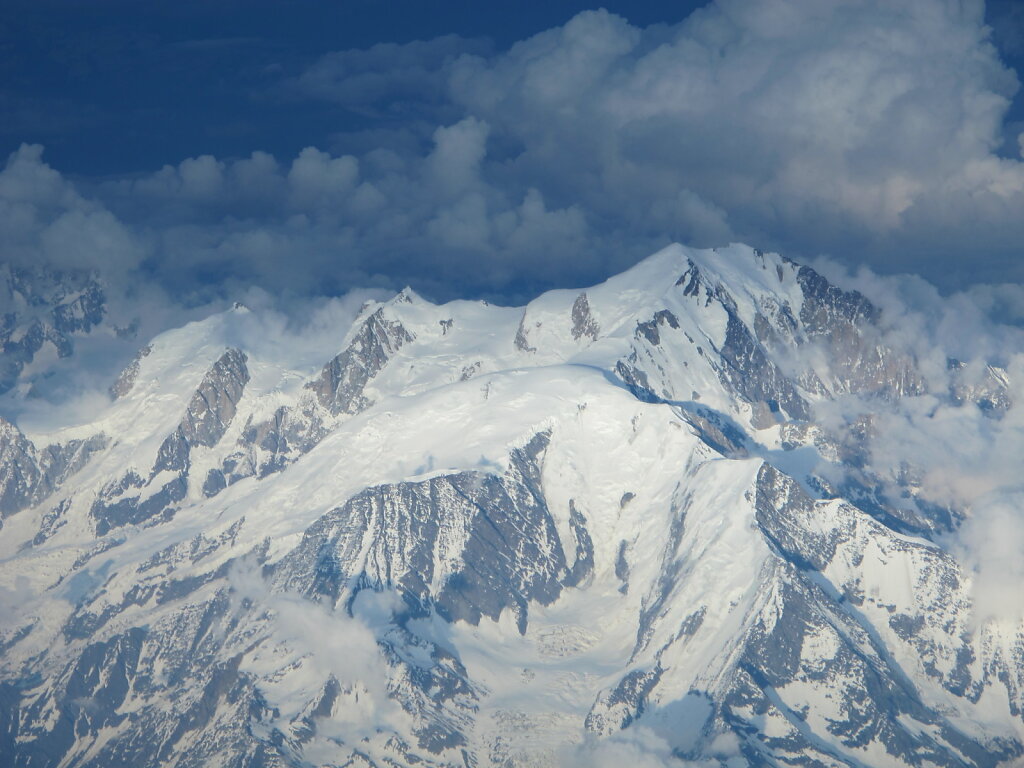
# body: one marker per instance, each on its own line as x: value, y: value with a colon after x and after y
x: 130, y: 502
x: 342, y: 382
x: 522, y: 342
x: 290, y: 433
x: 749, y: 371
x: 29, y: 475
x: 649, y: 329
x: 209, y: 413
x: 583, y: 322
x: 19, y: 471
x: 489, y: 542
x: 843, y: 325
x: 845, y: 322
x: 134, y: 500
x: 126, y: 380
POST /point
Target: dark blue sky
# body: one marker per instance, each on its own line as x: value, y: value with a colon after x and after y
x: 496, y: 150
x: 120, y: 86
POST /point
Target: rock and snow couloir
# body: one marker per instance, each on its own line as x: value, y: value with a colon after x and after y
x: 474, y: 535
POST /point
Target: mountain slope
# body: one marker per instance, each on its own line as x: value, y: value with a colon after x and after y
x: 482, y: 536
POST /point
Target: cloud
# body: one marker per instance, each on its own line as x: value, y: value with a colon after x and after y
x: 454, y: 164
x: 14, y: 600
x: 44, y: 219
x: 856, y: 128
x: 862, y: 129
x: 316, y: 178
x: 388, y: 79
x: 329, y: 644
x: 323, y: 223
x: 968, y: 463
x: 991, y: 541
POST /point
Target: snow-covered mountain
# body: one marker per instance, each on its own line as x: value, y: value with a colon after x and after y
x: 625, y: 520
x: 41, y: 312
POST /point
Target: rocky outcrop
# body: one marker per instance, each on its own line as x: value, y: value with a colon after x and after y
x: 209, y: 412
x: 988, y: 389
x: 29, y: 475
x: 342, y: 382
x: 126, y: 379
x: 845, y: 323
x: 748, y: 370
x: 583, y: 323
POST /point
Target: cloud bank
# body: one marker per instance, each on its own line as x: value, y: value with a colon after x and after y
x: 861, y: 129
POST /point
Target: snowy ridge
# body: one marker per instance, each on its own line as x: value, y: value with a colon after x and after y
x: 473, y: 535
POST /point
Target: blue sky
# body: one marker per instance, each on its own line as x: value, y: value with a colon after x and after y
x: 212, y: 148
x: 116, y: 87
